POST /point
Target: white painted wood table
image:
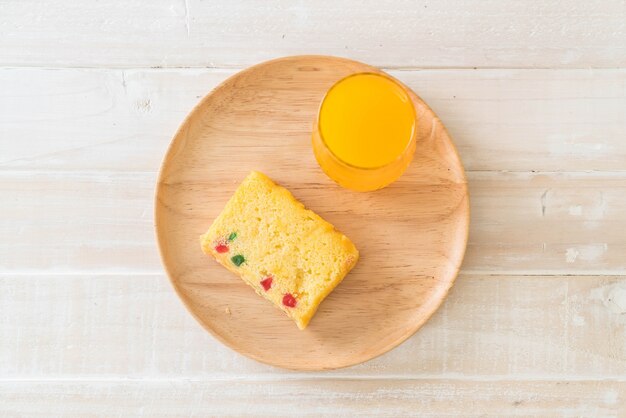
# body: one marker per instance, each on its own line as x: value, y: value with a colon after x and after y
x: 534, y: 94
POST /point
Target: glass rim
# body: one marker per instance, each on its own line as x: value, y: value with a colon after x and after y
x: 381, y: 74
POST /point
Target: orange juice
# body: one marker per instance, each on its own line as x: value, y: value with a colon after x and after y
x: 365, y: 133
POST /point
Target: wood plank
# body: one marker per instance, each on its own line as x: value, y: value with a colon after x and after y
x: 521, y: 223
x: 490, y: 327
x: 561, y: 223
x: 94, y: 119
x: 517, y: 120
x: 313, y: 398
x: 450, y: 33
x: 63, y: 223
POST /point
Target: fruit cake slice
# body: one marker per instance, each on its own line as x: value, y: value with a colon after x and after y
x: 287, y: 253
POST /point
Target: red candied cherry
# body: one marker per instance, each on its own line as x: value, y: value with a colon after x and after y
x: 289, y: 300
x: 267, y: 283
x: 221, y: 248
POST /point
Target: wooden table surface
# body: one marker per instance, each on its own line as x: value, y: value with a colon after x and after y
x: 534, y: 95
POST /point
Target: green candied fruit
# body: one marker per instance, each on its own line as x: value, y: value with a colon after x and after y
x: 237, y: 259
x: 232, y: 236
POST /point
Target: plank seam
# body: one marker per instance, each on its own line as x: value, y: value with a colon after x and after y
x: 312, y: 378
x: 158, y: 273
x: 25, y: 171
x: 236, y: 67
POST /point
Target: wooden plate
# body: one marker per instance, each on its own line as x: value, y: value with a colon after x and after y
x: 411, y: 235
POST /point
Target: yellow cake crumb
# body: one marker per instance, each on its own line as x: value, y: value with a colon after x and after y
x: 287, y: 253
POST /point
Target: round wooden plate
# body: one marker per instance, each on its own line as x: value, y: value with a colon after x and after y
x: 411, y: 235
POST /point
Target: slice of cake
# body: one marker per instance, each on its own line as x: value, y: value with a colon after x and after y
x: 287, y: 253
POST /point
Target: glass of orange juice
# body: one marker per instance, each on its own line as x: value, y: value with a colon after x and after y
x: 364, y: 135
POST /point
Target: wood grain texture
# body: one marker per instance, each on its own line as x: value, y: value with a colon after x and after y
x: 89, y: 324
x: 313, y: 398
x: 411, y: 235
x: 521, y: 223
x: 490, y: 327
x: 562, y: 223
x: 89, y: 222
x: 114, y: 120
x: 403, y: 33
